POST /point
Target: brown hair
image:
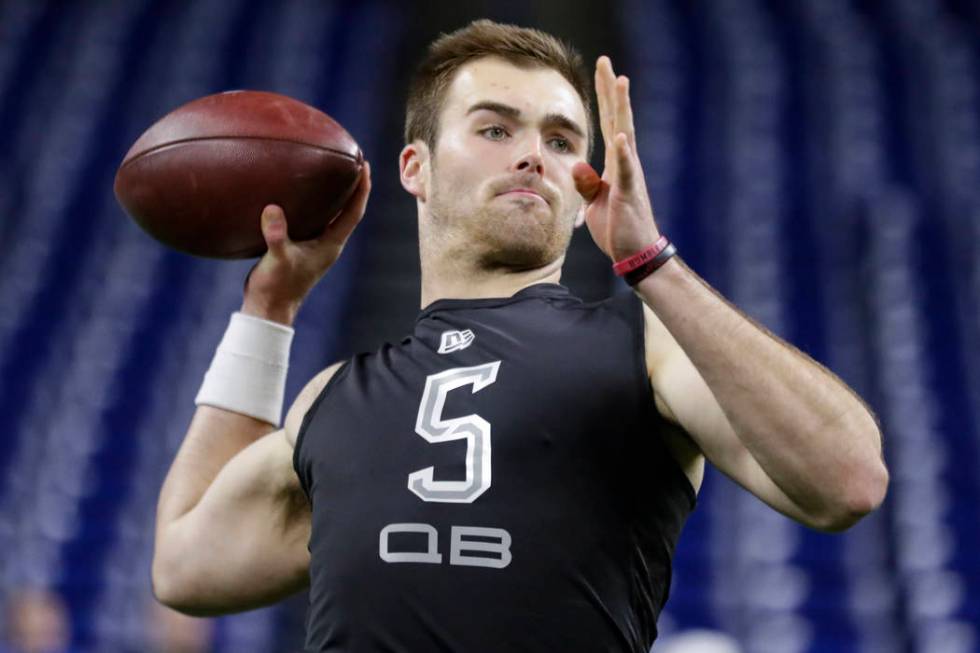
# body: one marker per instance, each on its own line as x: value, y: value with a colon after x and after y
x: 521, y: 46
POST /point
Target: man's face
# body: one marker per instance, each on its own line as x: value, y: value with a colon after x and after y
x: 501, y: 170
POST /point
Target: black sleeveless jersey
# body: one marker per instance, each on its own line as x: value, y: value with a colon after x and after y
x: 496, y: 482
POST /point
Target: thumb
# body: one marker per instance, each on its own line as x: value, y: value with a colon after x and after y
x: 587, y: 180
x: 274, y: 228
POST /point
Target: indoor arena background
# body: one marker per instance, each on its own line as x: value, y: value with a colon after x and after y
x: 818, y: 161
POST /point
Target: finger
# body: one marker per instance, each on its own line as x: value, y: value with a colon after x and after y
x: 624, y: 161
x: 624, y: 110
x: 606, y: 90
x: 587, y: 180
x: 340, y: 229
x: 249, y: 276
x: 274, y: 228
x: 602, y: 73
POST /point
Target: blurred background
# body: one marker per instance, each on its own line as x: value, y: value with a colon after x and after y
x: 818, y: 161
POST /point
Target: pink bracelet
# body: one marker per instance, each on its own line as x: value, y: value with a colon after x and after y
x: 643, y: 263
x: 641, y: 257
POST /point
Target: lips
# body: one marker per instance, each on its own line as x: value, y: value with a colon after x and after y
x: 526, y: 192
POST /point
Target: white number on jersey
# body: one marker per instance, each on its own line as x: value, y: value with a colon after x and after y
x: 472, y: 428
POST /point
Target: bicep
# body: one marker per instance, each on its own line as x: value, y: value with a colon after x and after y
x: 245, y: 544
x: 684, y: 399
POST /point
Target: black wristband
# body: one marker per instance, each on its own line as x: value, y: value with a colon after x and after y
x: 639, y: 274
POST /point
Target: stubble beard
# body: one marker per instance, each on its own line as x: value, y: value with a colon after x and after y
x: 512, y: 234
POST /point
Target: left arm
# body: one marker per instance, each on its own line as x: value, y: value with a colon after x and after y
x: 763, y: 412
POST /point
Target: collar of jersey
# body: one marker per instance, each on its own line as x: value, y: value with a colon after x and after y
x: 538, y: 290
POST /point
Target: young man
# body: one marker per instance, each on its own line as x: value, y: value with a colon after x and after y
x: 514, y: 475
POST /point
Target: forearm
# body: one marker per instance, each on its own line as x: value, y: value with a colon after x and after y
x: 215, y: 435
x: 232, y: 521
x: 807, y: 430
x: 238, y: 404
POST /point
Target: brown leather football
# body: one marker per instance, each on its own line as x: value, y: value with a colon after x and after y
x: 197, y: 180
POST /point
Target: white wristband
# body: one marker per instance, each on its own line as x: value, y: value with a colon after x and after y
x: 248, y: 372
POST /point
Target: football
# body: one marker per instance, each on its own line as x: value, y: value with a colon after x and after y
x: 198, y: 178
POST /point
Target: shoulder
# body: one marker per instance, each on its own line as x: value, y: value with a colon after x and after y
x: 304, y: 400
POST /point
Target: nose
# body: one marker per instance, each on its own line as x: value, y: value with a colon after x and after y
x: 532, y: 160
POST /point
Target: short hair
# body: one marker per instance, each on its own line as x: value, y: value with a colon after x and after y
x: 522, y: 46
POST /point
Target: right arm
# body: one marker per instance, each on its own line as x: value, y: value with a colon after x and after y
x: 232, y: 521
x: 243, y: 543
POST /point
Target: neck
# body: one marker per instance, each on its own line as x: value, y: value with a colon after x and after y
x: 448, y: 279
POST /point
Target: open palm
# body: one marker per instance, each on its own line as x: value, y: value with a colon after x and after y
x: 618, y: 214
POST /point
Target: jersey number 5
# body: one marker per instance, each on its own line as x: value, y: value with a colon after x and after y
x: 472, y: 428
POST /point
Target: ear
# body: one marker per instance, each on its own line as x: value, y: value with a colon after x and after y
x: 413, y: 165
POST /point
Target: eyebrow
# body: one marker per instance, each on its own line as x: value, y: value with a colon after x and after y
x: 550, y: 120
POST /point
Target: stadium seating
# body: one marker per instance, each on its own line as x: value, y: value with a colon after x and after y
x: 834, y: 153
x: 108, y: 345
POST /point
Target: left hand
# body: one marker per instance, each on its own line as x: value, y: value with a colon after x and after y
x: 618, y: 211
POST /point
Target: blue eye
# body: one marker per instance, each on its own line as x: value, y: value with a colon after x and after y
x: 562, y: 145
x: 494, y: 133
x: 559, y: 144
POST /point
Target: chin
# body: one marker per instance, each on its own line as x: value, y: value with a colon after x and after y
x: 516, y: 256
x: 523, y: 242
